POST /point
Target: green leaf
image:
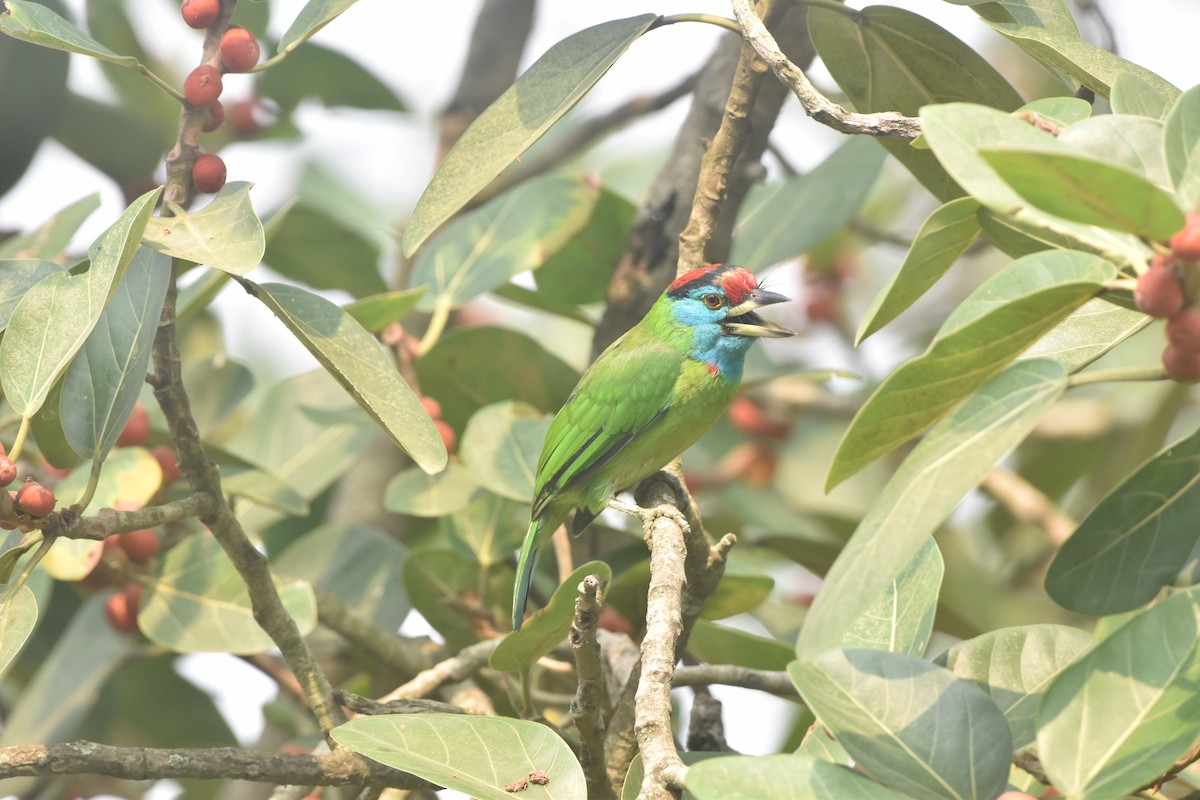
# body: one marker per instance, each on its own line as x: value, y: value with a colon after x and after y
x: 18, y: 616
x: 199, y: 603
x: 1119, y: 716
x: 508, y: 235
x: 264, y: 489
x: 355, y: 359
x: 489, y: 527
x: 900, y: 620
x: 1062, y: 111
x: 807, y: 209
x: 781, y: 777
x: 452, y: 592
x: 378, y: 311
x: 940, y: 470
x: 636, y: 774
x: 216, y: 386
x: 50, y: 239
x: 119, y: 144
x: 327, y: 75
x: 547, y: 628
x: 102, y: 384
x: 1181, y: 144
x: 889, y: 59
x: 477, y: 756
x: 944, y: 237
x: 956, y: 132
x: 315, y: 15
x: 1132, y: 543
x: 578, y: 273
x: 420, y: 494
x: 719, y: 644
x: 1088, y: 191
x: 501, y: 446
x: 1014, y: 666
x: 48, y: 432
x: 470, y: 368
x: 54, y: 318
x: 359, y: 564
x: 993, y: 325
x: 35, y: 23
x: 17, y: 276
x: 539, y: 98
x: 1134, y: 95
x: 1091, y: 331
x: 908, y: 723
x: 307, y: 245
x: 226, y: 234
x: 740, y: 590
x: 1135, y: 143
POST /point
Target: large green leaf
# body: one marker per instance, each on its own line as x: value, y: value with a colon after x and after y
x: 1088, y: 191
x: 489, y: 528
x: 501, y: 446
x: 473, y: 367
x: 889, y: 59
x: 944, y: 236
x: 1133, y: 542
x: 908, y: 723
x: 781, y: 777
x: 1091, y: 331
x: 119, y: 144
x: 54, y: 318
x: 578, y: 273
x: 901, y: 618
x: 216, y: 386
x: 1119, y: 716
x: 1181, y: 146
x: 51, y: 238
x: 1135, y: 143
x: 420, y: 494
x: 314, y: 247
x: 993, y: 325
x: 18, y: 616
x: 1132, y: 94
x: 199, y: 603
x: 378, y: 311
x: 453, y: 592
x: 315, y: 15
x: 226, y: 234
x: 539, y: 98
x: 327, y: 75
x: 807, y: 209
x: 102, y: 384
x: 1014, y: 666
x: 17, y: 276
x: 720, y: 644
x: 355, y: 359
x: 547, y: 628
x: 478, y: 756
x: 508, y: 235
x: 947, y: 464
x: 35, y: 23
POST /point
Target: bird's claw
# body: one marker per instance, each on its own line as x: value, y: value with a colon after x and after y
x: 649, y: 515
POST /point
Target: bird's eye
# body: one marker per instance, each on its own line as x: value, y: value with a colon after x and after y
x: 714, y: 301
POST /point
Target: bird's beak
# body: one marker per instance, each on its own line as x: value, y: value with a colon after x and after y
x: 742, y: 321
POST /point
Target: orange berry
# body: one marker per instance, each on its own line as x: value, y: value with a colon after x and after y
x: 166, y: 459
x: 121, y: 609
x: 214, y: 117
x: 203, y: 86
x: 612, y: 620
x: 1159, y: 292
x: 139, y: 545
x: 239, y: 50
x: 35, y: 499
x: 208, y: 173
x: 449, y: 438
x: 749, y: 417
x: 136, y: 429
x: 432, y: 407
x: 1186, y: 243
x: 200, y: 13
x: 1181, y: 365
x: 243, y: 119
x: 1183, y: 330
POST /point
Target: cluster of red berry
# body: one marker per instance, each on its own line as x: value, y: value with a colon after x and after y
x: 1162, y: 291
x: 202, y: 88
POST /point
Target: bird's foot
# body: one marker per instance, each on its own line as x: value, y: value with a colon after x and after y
x: 648, y: 515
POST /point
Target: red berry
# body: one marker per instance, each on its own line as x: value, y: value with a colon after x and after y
x: 242, y: 118
x: 136, y: 429
x: 167, y: 461
x: 1159, y: 292
x: 214, y: 117
x: 208, y: 173
x: 203, y: 86
x: 200, y: 13
x: 8, y: 471
x: 1181, y: 365
x: 611, y: 620
x: 121, y: 608
x: 432, y: 407
x: 1183, y: 330
x: 35, y: 499
x: 239, y: 50
x: 1186, y: 243
x: 449, y: 438
x: 139, y: 545
x: 749, y: 417
x: 761, y: 469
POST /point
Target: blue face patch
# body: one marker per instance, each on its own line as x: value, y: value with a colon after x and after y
x: 710, y: 343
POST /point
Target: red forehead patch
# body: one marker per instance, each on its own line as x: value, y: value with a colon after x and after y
x: 737, y: 284
x: 694, y: 275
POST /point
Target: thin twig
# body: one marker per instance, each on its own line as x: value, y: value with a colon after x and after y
x: 817, y: 105
x: 387, y: 647
x: 470, y: 660
x: 776, y: 683
x: 588, y: 705
x: 108, y: 521
x: 1028, y: 504
x: 366, y: 706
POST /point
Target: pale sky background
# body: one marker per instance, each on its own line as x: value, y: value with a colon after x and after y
x: 418, y: 48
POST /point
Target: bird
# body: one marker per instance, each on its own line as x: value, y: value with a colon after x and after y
x: 648, y: 397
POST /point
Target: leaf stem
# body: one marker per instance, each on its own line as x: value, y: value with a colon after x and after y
x: 437, y: 325
x: 38, y: 555
x: 14, y: 452
x: 159, y: 82
x: 1119, y: 375
x: 89, y: 491
x: 710, y: 19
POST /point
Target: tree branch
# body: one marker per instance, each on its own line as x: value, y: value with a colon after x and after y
x: 469, y: 661
x: 108, y: 521
x: 387, y: 648
x: 1028, y: 504
x: 817, y: 105
x: 588, y: 706
x: 776, y: 683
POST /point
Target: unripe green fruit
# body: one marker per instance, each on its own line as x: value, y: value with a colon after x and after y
x: 202, y: 86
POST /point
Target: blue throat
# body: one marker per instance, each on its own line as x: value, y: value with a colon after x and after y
x: 709, y: 344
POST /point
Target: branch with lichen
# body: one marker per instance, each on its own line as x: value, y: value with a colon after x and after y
x: 588, y: 705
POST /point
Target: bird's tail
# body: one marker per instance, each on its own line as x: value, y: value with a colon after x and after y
x: 525, y: 564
